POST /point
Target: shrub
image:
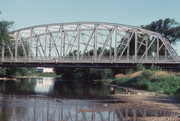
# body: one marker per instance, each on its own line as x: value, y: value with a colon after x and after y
x: 146, y: 74
x: 177, y: 93
x: 155, y: 68
x: 157, y: 81
x: 140, y: 67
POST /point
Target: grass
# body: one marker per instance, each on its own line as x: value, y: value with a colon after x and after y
x: 43, y: 74
x: 158, y: 81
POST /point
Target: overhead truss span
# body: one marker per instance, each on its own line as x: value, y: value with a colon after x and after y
x: 87, y: 42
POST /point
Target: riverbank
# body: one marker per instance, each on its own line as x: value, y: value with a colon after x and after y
x: 154, y: 101
x: 5, y: 78
x: 39, y: 74
x: 31, y: 75
x: 162, y: 82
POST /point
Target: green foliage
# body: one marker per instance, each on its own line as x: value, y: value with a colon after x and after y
x: 4, y: 33
x: 2, y: 71
x: 6, y: 39
x: 66, y: 73
x: 84, y: 73
x: 177, y: 93
x: 146, y: 74
x: 140, y: 67
x: 122, y: 80
x: 167, y: 27
x: 155, y: 68
x: 106, y: 73
x: 17, y: 71
x: 81, y: 73
x: 43, y: 74
x: 147, y: 80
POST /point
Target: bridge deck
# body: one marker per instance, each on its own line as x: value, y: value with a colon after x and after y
x: 70, y: 62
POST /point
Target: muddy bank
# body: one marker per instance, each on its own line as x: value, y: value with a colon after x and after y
x: 159, y: 119
x: 152, y: 101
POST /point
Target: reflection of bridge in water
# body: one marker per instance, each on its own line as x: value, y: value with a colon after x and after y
x: 43, y: 109
x: 87, y: 44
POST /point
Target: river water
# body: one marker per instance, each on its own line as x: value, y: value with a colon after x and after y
x: 54, y: 99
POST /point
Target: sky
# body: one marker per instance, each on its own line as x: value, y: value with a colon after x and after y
x: 26, y: 13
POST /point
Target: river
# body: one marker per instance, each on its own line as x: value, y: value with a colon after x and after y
x: 54, y: 99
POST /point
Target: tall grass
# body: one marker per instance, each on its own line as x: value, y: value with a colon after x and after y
x: 151, y: 80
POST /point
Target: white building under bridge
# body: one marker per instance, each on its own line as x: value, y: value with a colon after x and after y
x: 44, y: 70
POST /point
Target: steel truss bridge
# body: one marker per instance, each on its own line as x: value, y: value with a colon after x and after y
x: 87, y: 44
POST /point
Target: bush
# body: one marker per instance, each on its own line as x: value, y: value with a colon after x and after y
x: 155, y: 68
x: 146, y: 74
x: 177, y: 93
x: 148, y: 80
x: 2, y: 71
x: 140, y: 67
x: 106, y: 73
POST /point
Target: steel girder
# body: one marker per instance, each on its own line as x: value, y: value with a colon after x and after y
x: 91, y: 42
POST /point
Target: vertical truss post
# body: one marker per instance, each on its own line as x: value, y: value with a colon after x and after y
x: 95, y: 44
x: 36, y: 48
x: 16, y: 46
x: 136, y: 44
x: 115, y: 49
x: 146, y: 52
x: 110, y: 53
x: 157, y: 49
x: 45, y: 46
x: 30, y: 46
x: 61, y: 46
x: 128, y: 50
x: 78, y: 42
x: 50, y: 46
x: 63, y: 43
x: 165, y: 54
x: 2, y: 51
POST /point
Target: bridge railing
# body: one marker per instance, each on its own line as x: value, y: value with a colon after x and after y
x: 90, y: 59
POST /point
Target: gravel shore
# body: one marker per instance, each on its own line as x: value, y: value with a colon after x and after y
x: 153, y: 101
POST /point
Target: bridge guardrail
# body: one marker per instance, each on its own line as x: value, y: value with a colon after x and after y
x: 90, y: 59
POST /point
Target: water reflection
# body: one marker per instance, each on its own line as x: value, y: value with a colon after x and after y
x: 76, y: 89
x: 44, y: 109
x: 47, y: 99
x: 23, y: 86
x: 55, y: 87
x: 43, y: 85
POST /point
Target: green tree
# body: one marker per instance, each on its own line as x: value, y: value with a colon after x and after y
x: 5, y: 39
x: 169, y: 28
x: 4, y: 32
